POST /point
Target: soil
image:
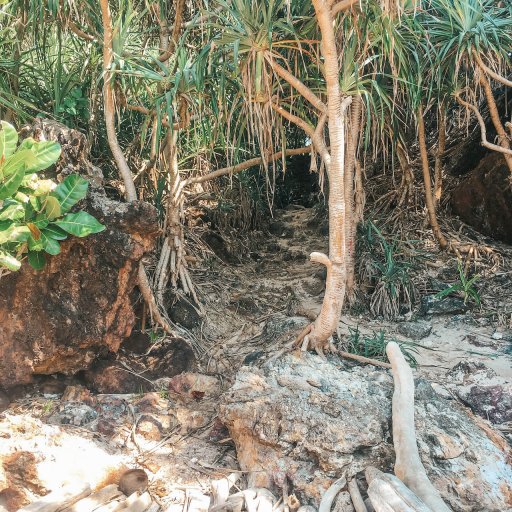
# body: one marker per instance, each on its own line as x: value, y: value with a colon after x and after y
x: 253, y: 309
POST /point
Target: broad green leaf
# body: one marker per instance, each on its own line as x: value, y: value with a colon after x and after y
x: 36, y: 259
x: 50, y: 245
x: 46, y: 154
x: 14, y: 233
x: 10, y: 262
x: 19, y: 160
x: 70, y: 191
x: 52, y: 231
x: 52, y: 208
x: 11, y: 183
x: 13, y: 211
x: 80, y: 224
x: 8, y: 139
x: 35, y: 244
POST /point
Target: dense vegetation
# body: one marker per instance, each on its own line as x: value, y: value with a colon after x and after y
x: 183, y: 93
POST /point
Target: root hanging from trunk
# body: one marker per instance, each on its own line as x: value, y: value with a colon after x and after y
x: 408, y: 466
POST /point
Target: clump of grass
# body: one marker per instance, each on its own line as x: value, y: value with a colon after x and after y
x: 464, y: 286
x: 385, y: 268
x: 374, y: 346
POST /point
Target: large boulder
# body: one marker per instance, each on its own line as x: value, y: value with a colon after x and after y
x: 312, y: 421
x: 59, y: 319
x: 483, y: 198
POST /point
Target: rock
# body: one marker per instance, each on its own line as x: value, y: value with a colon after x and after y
x: 483, y: 199
x: 313, y: 285
x: 149, y: 428
x: 108, y: 377
x: 73, y: 413
x: 415, y: 330
x: 280, y: 423
x: 59, y: 319
x: 478, y: 386
x: 4, y: 401
x: 432, y: 305
x: 183, y: 312
x: 194, y: 385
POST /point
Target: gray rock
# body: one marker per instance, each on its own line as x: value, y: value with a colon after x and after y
x: 415, y: 330
x: 432, y: 305
x: 73, y: 413
x: 487, y: 394
x: 281, y: 423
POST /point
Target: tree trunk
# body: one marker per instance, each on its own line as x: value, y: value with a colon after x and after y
x: 327, y: 322
x: 429, y: 200
x: 496, y: 121
x: 351, y: 219
x: 441, y: 146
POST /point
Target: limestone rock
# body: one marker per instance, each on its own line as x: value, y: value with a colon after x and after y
x: 432, y: 305
x: 415, y: 330
x: 281, y: 423
x: 59, y: 319
x: 487, y: 394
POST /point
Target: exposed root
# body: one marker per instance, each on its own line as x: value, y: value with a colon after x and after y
x: 408, y: 466
x: 355, y: 496
x: 331, y: 493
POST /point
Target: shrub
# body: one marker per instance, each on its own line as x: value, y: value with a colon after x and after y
x: 35, y: 213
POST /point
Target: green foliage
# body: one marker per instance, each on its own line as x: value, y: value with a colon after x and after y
x: 35, y: 212
x: 464, y: 286
x: 385, y: 268
x: 374, y: 346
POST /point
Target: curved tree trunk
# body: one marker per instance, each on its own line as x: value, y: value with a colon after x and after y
x: 441, y: 146
x: 327, y: 322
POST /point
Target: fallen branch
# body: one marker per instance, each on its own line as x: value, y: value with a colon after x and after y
x: 408, y: 466
x: 363, y: 359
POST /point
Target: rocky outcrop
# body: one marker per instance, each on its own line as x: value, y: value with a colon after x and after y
x: 59, y: 319
x: 483, y: 198
x: 313, y: 421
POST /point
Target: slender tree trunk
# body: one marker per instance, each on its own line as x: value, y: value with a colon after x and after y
x: 351, y: 219
x: 441, y: 147
x: 122, y: 164
x: 429, y: 199
x: 503, y: 140
x: 327, y: 322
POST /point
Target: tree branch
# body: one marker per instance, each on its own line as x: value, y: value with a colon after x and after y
x: 483, y: 131
x: 490, y: 72
x: 303, y: 90
x: 176, y: 30
x: 316, y: 136
x: 246, y: 165
x: 342, y: 6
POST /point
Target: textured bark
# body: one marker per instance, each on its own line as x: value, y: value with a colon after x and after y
x: 429, y: 200
x: 329, y: 316
x: 441, y: 146
x: 496, y: 121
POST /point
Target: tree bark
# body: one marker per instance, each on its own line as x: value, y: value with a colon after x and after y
x: 429, y: 200
x: 327, y: 321
x: 441, y: 147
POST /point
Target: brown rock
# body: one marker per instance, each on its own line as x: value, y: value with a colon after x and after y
x: 108, y: 377
x: 483, y: 198
x: 149, y: 428
x: 59, y: 319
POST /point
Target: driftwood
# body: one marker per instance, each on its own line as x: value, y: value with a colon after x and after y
x: 135, y: 503
x: 330, y: 494
x: 59, y: 500
x: 221, y: 488
x: 408, y: 466
x: 255, y: 500
x: 388, y: 494
x: 355, y: 496
x: 95, y: 500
